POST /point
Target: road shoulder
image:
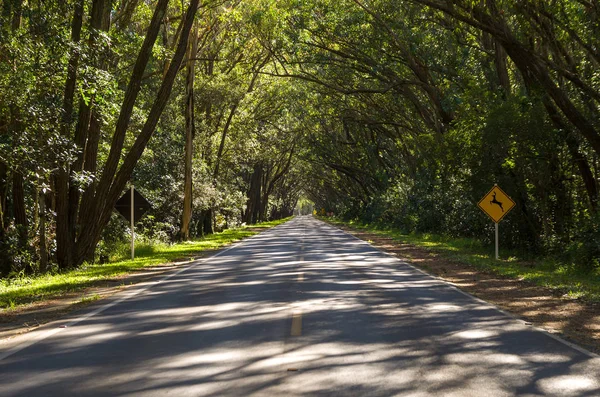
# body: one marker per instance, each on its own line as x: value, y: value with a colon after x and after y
x: 29, y: 317
x: 573, y: 320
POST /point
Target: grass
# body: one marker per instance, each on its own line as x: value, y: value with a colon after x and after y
x: 20, y: 291
x: 563, y: 278
x: 89, y: 298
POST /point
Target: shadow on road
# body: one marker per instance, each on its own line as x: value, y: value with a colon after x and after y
x: 371, y: 326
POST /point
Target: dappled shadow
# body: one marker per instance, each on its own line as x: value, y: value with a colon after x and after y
x: 577, y: 320
x: 370, y: 326
x: 148, y: 259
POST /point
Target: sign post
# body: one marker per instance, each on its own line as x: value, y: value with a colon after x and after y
x: 496, y: 204
x: 132, y: 206
x: 496, y: 240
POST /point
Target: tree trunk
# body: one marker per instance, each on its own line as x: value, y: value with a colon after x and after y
x: 64, y: 231
x: 585, y: 171
x: 3, y: 194
x: 270, y: 182
x: 18, y: 191
x: 264, y: 197
x: 198, y: 225
x: 19, y: 207
x: 501, y: 67
x: 90, y: 159
x: 222, y: 143
x: 207, y: 227
x: 67, y: 209
x: 254, y: 195
x: 87, y: 133
x: 11, y: 11
x: 125, y: 13
x: 190, y: 132
x: 232, y: 113
x: 4, y: 259
x: 112, y: 182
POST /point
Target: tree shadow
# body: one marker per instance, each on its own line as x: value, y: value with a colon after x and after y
x: 371, y: 326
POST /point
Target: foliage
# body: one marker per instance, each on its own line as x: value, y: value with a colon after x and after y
x: 401, y: 113
x: 424, y: 108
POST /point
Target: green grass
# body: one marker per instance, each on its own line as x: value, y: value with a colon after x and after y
x: 563, y: 278
x: 19, y: 291
x: 89, y: 298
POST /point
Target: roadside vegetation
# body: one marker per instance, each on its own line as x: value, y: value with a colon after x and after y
x: 25, y: 289
x: 563, y: 278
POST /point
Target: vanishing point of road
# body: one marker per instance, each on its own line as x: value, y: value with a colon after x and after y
x: 302, y: 309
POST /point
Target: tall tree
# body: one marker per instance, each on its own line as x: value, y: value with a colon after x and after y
x: 190, y: 131
x: 80, y: 245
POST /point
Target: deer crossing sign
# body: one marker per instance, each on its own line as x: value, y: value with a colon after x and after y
x: 496, y: 204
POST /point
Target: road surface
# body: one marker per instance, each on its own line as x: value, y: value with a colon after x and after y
x: 300, y: 310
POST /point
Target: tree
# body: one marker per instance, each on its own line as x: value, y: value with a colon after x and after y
x: 79, y: 235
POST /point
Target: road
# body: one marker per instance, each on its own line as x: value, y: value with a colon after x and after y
x: 299, y: 310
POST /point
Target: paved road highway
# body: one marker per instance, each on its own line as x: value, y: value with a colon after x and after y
x: 300, y: 310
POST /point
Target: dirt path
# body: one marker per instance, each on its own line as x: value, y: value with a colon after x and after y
x: 573, y: 320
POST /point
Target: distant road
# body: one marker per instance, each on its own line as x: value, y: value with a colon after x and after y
x: 300, y: 310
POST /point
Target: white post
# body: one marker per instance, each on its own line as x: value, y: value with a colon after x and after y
x: 496, y: 241
x: 133, y: 233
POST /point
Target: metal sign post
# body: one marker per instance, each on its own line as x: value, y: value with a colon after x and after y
x: 132, y: 225
x: 132, y: 206
x: 496, y: 204
x: 496, y: 241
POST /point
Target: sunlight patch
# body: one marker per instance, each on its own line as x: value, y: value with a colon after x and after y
x: 443, y: 307
x: 476, y: 334
x: 568, y: 384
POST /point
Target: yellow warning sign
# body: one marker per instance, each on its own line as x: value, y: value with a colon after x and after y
x: 496, y: 204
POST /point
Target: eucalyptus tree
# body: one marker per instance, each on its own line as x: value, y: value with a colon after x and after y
x: 88, y: 100
x: 33, y: 42
x: 229, y: 62
x: 431, y: 107
x: 401, y: 111
x: 552, y: 44
x: 238, y: 109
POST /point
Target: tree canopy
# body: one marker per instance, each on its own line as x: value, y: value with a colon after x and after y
x: 222, y: 112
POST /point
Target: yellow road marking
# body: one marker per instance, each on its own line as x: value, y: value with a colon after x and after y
x: 296, y: 323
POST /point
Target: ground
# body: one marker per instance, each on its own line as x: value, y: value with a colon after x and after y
x: 574, y: 320
x: 29, y: 317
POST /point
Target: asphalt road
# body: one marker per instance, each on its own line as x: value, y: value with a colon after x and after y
x: 300, y: 310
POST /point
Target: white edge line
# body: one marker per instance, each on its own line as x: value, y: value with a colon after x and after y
x: 38, y: 336
x: 453, y: 286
